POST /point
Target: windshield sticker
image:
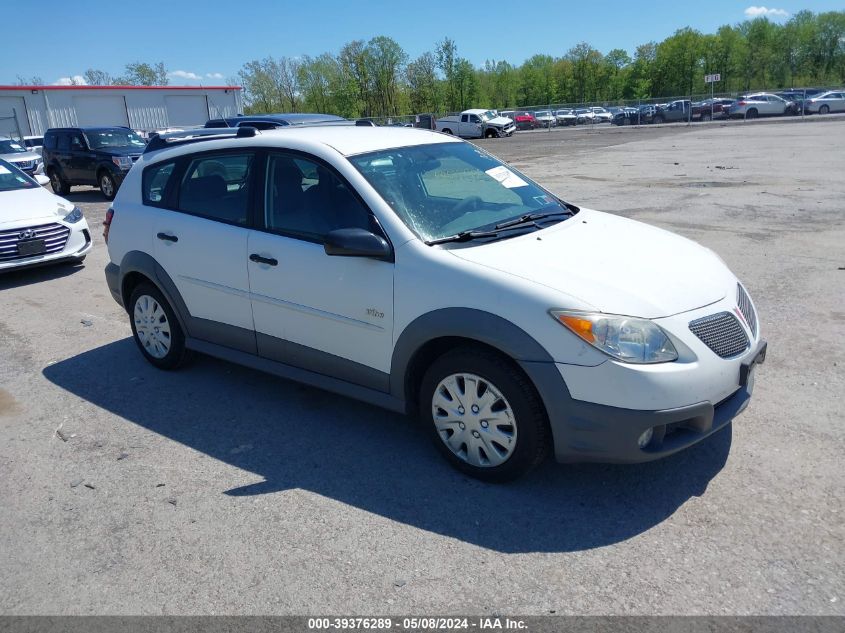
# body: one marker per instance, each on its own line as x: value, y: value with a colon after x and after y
x: 3, y: 170
x: 506, y: 177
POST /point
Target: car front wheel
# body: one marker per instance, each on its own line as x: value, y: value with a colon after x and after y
x: 484, y: 415
x: 155, y: 328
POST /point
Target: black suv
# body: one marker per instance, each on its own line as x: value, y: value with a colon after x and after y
x: 99, y: 156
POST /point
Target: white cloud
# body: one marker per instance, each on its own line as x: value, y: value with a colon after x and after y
x: 184, y: 74
x: 76, y: 80
x: 765, y: 12
x: 214, y: 75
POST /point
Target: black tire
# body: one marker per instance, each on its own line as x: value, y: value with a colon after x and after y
x: 825, y: 109
x: 58, y: 184
x: 657, y: 120
x: 705, y: 116
x: 751, y: 114
x: 108, y: 186
x: 447, y: 130
x: 177, y: 354
x: 490, y: 134
x: 532, y: 429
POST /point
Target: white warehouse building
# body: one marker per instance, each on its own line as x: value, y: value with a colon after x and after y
x: 31, y: 110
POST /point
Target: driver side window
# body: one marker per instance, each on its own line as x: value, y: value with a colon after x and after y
x: 306, y: 199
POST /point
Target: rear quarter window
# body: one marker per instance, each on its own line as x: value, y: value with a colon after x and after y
x: 154, y: 183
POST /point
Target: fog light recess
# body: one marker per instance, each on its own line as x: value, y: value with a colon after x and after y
x: 645, y: 438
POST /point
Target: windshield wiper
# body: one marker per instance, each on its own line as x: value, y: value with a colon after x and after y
x: 531, y: 218
x: 463, y: 236
x: 521, y: 222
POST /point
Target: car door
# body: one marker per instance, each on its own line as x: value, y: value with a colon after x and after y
x: 200, y: 207
x: 81, y: 160
x: 328, y: 314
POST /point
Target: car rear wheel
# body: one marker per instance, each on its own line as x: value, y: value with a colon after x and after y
x: 447, y: 131
x: 484, y: 415
x: 657, y: 120
x: 59, y: 186
x: 706, y: 116
x: 751, y: 114
x: 107, y: 185
x: 825, y: 109
x: 155, y: 328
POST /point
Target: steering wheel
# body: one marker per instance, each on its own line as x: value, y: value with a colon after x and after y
x: 468, y: 204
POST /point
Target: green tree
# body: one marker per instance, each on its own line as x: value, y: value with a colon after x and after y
x: 143, y: 74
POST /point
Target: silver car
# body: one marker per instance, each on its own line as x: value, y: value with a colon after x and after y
x: 22, y: 158
x: 825, y: 103
x: 759, y: 104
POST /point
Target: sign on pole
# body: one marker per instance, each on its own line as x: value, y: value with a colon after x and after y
x: 709, y: 79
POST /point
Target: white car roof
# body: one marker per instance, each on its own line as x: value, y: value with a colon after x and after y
x: 347, y: 140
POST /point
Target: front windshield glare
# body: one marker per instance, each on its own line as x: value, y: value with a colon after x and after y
x: 10, y: 147
x: 487, y: 116
x: 114, y: 138
x: 444, y: 189
x: 11, y: 179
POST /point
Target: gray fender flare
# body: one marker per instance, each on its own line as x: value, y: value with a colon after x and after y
x: 468, y: 323
x: 143, y: 263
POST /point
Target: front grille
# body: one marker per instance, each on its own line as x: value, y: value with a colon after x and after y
x: 54, y: 236
x: 722, y: 333
x: 744, y: 303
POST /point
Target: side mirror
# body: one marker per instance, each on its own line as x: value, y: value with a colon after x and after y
x: 41, y: 179
x: 356, y: 243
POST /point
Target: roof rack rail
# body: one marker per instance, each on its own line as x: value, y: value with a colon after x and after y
x: 171, y: 139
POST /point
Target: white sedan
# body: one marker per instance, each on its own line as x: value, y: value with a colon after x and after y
x: 36, y: 226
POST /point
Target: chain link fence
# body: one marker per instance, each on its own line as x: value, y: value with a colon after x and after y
x: 688, y: 109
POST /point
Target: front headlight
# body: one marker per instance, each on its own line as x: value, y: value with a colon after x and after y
x: 624, y: 338
x: 124, y: 162
x: 74, y: 216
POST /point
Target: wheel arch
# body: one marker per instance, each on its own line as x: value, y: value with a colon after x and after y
x: 432, y: 334
x: 138, y: 267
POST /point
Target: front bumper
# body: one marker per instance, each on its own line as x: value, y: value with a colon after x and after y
x: 588, y: 432
x: 78, y: 245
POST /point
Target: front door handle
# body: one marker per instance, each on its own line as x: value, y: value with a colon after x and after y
x: 258, y: 259
x: 167, y: 237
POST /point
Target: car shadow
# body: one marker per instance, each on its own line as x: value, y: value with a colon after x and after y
x: 85, y: 195
x: 292, y: 436
x: 18, y: 277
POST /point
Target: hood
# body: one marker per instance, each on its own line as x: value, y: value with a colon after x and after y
x: 19, y: 157
x: 25, y: 207
x: 500, y: 120
x: 617, y: 265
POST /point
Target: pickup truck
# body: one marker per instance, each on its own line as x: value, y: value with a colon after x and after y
x: 476, y: 124
x: 673, y: 113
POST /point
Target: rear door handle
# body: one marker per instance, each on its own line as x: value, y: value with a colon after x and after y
x: 167, y: 237
x: 258, y: 259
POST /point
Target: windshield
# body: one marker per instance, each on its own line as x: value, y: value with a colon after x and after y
x: 487, y: 116
x: 12, y: 178
x: 443, y: 189
x: 8, y: 146
x: 114, y: 138
x: 544, y: 113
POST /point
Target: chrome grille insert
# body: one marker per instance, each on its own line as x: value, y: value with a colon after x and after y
x: 54, y: 236
x: 744, y: 303
x: 722, y: 333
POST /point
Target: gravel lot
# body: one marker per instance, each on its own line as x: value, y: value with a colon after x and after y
x: 217, y: 489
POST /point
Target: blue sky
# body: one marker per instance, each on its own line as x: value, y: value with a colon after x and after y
x: 209, y: 41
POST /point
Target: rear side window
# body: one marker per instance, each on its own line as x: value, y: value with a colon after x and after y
x: 216, y: 186
x: 50, y: 141
x: 154, y: 183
